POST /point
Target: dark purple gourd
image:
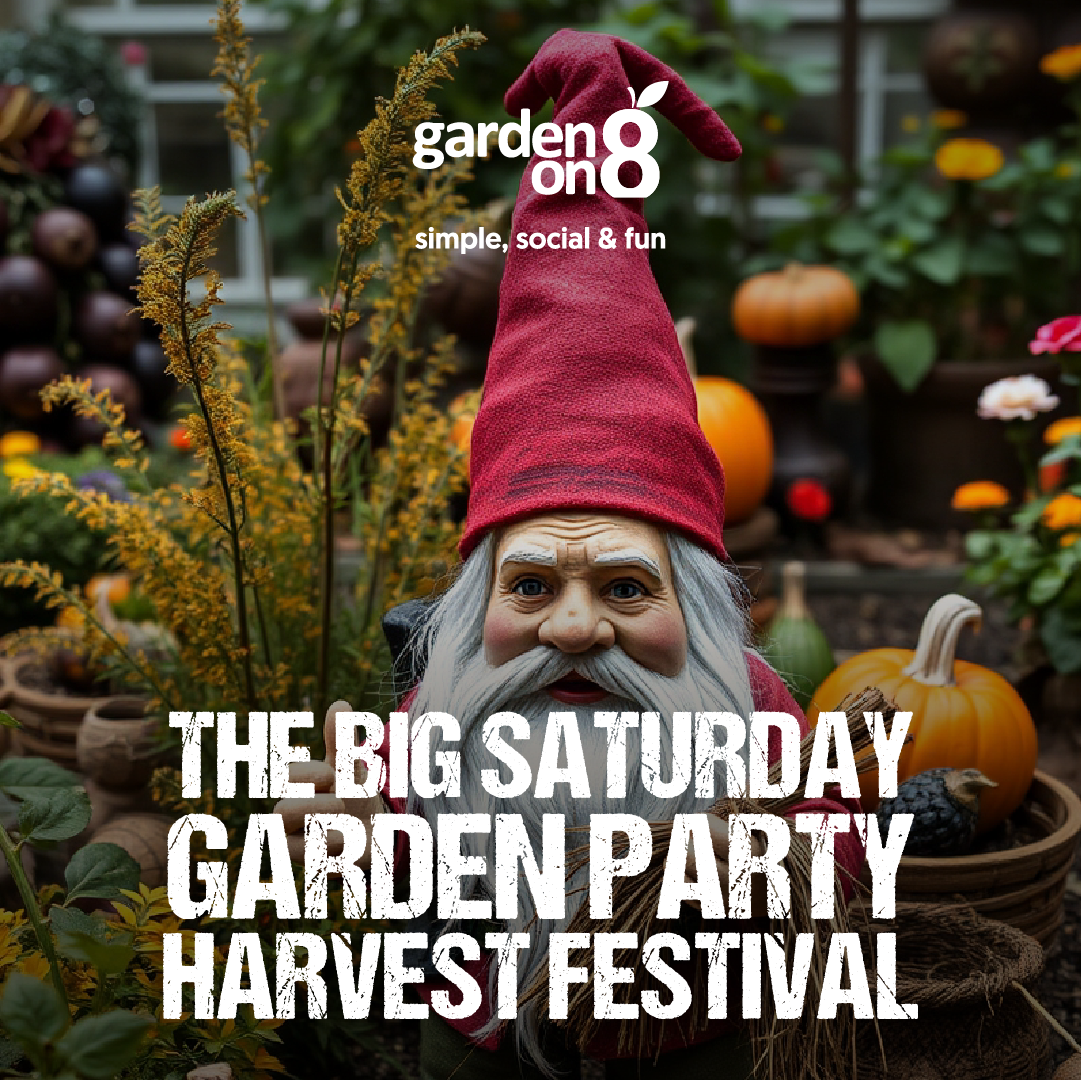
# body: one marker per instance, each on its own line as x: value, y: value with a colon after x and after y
x: 148, y: 364
x: 106, y: 327
x: 120, y: 265
x: 23, y: 372
x: 27, y: 299
x: 65, y: 238
x: 122, y: 388
x: 98, y: 192
x: 945, y: 804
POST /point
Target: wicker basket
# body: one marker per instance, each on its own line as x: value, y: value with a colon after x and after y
x: 961, y: 970
x: 1023, y: 886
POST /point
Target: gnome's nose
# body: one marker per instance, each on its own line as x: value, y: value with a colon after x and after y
x: 575, y: 625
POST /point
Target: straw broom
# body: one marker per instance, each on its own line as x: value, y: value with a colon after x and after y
x: 804, y: 1049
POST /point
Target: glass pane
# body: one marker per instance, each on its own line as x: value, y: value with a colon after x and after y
x: 903, y: 113
x: 812, y: 126
x: 180, y: 58
x: 904, y: 48
x: 193, y: 149
x: 225, y: 262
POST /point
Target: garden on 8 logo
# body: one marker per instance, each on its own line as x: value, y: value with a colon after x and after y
x: 639, y: 153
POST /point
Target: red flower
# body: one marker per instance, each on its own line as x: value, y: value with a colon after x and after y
x: 809, y: 499
x: 1057, y: 336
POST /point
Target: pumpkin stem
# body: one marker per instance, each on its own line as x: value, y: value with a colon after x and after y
x: 793, y: 594
x: 934, y: 658
x: 684, y: 332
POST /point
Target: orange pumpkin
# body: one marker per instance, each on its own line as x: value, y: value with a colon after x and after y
x: 737, y: 428
x: 963, y: 715
x: 795, y: 307
x: 463, y: 414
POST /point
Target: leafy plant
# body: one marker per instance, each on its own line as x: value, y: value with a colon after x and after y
x: 956, y: 251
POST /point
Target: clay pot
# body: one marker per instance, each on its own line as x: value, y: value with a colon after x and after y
x: 465, y: 300
x: 27, y: 298
x: 145, y: 837
x: 64, y: 238
x: 7, y: 688
x: 50, y: 722
x: 106, y: 805
x: 23, y: 373
x: 117, y: 744
x: 106, y: 326
x: 978, y: 60
x: 99, y: 193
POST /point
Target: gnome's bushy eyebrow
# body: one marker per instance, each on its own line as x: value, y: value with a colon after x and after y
x: 538, y: 556
x: 629, y: 557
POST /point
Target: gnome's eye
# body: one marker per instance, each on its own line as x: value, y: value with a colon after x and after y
x: 529, y: 586
x: 626, y: 590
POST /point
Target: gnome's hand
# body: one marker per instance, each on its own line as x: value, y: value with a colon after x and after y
x: 718, y: 829
x: 321, y: 775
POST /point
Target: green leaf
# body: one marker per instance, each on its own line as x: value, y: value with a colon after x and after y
x: 941, y: 263
x: 72, y: 920
x: 1042, y: 240
x: 101, y: 871
x: 980, y: 545
x: 24, y: 778
x: 98, y: 1047
x: 60, y: 815
x: 1067, y: 450
x: 1047, y: 584
x: 108, y: 957
x: 1058, y: 210
x: 32, y: 1011
x: 1060, y: 632
x: 907, y: 349
x: 7, y: 720
x: 990, y: 255
x: 933, y: 205
x: 850, y: 237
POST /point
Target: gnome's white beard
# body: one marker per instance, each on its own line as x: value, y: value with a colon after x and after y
x: 458, y: 680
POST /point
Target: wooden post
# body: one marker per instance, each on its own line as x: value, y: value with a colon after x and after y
x: 848, y: 93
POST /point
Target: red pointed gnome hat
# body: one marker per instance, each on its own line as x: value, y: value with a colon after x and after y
x: 587, y: 402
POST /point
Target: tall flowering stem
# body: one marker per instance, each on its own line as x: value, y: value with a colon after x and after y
x: 376, y: 179
x: 171, y: 262
x: 245, y: 123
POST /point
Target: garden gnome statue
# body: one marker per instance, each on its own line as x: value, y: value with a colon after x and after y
x: 593, y: 571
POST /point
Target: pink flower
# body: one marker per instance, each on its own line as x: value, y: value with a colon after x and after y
x: 1018, y: 398
x: 1060, y: 334
x: 133, y: 53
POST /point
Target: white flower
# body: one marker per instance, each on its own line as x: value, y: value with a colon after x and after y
x: 1018, y: 398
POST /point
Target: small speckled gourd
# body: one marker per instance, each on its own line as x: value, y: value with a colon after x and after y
x: 945, y: 804
x: 795, y: 645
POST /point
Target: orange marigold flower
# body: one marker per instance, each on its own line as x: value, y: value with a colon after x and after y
x: 980, y: 495
x: 1067, y: 428
x: 19, y: 444
x: 1062, y: 512
x: 968, y: 159
x: 1063, y: 63
x: 948, y: 119
x: 1069, y: 538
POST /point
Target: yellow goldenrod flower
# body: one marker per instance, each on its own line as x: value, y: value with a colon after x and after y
x: 968, y: 159
x: 1065, y: 169
x: 948, y: 119
x: 1063, y: 63
x: 19, y: 444
x: 980, y: 495
x: 18, y: 468
x: 910, y: 124
x: 1062, y: 512
x: 1066, y: 428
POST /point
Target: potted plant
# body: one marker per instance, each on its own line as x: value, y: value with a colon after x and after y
x: 959, y: 246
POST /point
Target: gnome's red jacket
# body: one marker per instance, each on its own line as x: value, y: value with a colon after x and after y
x: 770, y: 695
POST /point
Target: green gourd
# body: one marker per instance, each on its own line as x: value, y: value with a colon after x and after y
x: 795, y: 645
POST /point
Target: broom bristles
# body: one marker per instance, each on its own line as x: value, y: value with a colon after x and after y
x: 804, y: 1049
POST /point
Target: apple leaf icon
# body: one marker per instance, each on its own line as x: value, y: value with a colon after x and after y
x: 652, y: 94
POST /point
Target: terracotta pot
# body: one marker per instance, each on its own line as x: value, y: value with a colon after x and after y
x: 977, y: 60
x: 925, y: 443
x: 50, y: 722
x: 117, y: 744
x: 145, y: 837
x: 7, y: 688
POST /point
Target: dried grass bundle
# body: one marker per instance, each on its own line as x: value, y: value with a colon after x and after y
x: 804, y: 1049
